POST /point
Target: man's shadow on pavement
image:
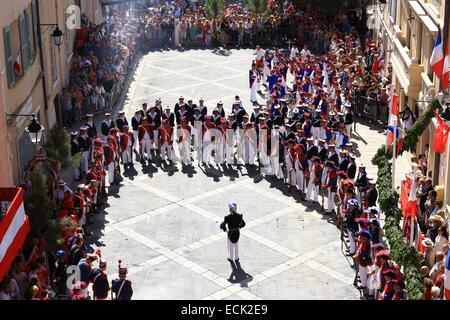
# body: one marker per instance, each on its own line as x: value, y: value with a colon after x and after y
x: 238, y: 275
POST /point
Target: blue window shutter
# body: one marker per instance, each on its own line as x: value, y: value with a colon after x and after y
x: 29, y: 38
x: 9, y: 57
x: 23, y: 43
x: 35, y: 23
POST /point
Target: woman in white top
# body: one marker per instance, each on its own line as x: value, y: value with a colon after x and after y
x: 441, y: 240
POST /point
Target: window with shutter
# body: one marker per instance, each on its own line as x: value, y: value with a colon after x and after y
x: 23, y: 43
x: 35, y: 24
x: 7, y: 40
x: 29, y: 38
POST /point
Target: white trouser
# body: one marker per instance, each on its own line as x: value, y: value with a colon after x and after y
x: 185, y: 151
x: 292, y: 177
x: 300, y: 179
x: 265, y: 164
x: 253, y: 91
x: 219, y: 150
x: 330, y: 205
x: 349, y: 129
x: 85, y: 163
x: 111, y: 169
x: 324, y: 174
x: 146, y: 149
x: 154, y: 144
x: 126, y: 156
x: 166, y: 148
x: 249, y: 152
x: 316, y: 133
x: 136, y: 139
x: 208, y: 147
x: 363, y: 275
x: 352, y: 242
x: 233, y: 250
x: 312, y: 187
x: 229, y: 152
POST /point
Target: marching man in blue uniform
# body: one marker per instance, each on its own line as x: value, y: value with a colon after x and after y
x: 121, y: 288
x: 232, y: 224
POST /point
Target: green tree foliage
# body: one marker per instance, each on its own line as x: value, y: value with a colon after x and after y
x: 214, y: 9
x: 58, y: 148
x: 257, y: 7
x: 39, y: 210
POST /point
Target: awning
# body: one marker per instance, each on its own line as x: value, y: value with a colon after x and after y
x: 429, y: 23
x: 417, y: 8
x: 14, y: 227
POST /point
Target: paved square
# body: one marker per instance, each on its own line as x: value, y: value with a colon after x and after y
x: 163, y: 222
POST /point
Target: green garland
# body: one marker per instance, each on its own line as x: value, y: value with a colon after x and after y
x: 403, y: 254
x: 413, y: 134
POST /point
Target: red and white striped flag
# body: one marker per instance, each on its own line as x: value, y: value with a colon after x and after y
x: 14, y: 227
x: 437, y: 57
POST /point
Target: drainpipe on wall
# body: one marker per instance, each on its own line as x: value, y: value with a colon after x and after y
x: 41, y: 55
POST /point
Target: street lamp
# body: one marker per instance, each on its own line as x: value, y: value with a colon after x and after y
x: 35, y: 130
x: 57, y: 34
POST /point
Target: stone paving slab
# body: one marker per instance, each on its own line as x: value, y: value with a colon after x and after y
x: 163, y: 222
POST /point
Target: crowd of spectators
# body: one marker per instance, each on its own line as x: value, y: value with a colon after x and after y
x: 433, y: 227
x: 98, y: 64
x: 101, y: 57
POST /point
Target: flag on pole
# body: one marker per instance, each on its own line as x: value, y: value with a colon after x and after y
x: 398, y: 138
x: 447, y: 278
x: 446, y: 70
x: 14, y: 227
x: 394, y: 110
x: 437, y: 57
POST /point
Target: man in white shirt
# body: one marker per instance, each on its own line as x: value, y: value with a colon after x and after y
x: 294, y: 52
x: 305, y: 52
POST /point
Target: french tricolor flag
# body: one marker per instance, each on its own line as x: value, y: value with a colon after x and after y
x: 437, y: 57
x: 446, y: 70
x: 447, y: 278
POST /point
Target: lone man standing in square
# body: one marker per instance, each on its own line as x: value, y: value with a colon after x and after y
x: 232, y: 224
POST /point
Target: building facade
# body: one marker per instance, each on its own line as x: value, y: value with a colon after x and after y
x: 407, y: 31
x: 33, y: 71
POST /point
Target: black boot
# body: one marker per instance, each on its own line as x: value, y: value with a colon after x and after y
x: 233, y: 265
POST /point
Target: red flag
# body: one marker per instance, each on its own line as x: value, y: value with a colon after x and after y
x: 441, y: 135
x: 420, y: 246
x: 18, y: 65
x: 394, y: 107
